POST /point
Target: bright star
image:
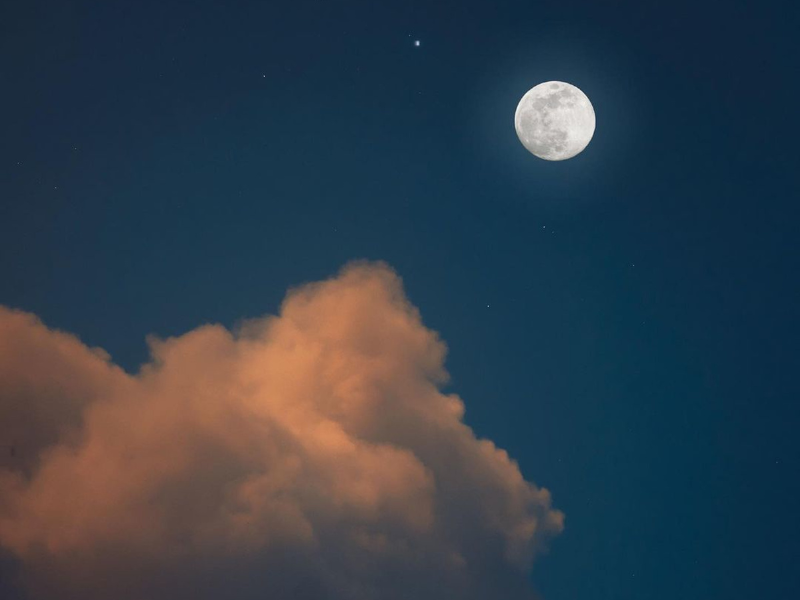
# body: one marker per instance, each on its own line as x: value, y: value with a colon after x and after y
x: 417, y: 43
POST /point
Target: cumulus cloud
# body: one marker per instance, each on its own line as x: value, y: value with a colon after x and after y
x: 306, y: 455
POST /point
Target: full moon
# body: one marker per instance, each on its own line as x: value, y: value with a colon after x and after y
x: 555, y: 120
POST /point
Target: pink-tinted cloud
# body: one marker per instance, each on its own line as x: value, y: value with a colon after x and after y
x: 310, y: 454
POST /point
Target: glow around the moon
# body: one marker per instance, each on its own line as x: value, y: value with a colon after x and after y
x: 555, y: 120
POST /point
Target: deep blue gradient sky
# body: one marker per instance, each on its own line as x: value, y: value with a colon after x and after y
x: 623, y: 323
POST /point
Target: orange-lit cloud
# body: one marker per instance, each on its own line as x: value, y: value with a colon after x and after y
x: 308, y: 455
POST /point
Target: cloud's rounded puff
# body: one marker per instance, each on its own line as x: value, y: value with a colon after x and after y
x: 308, y: 455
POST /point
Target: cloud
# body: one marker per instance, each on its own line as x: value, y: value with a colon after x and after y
x: 307, y: 455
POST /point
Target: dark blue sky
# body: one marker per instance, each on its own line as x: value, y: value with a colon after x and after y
x: 623, y: 323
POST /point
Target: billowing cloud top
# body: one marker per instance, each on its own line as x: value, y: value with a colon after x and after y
x: 308, y: 455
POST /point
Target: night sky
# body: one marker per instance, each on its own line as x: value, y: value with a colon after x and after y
x: 623, y: 323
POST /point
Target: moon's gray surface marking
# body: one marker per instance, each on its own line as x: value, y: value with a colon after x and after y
x: 555, y: 120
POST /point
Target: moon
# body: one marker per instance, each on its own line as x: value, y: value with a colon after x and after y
x: 555, y: 120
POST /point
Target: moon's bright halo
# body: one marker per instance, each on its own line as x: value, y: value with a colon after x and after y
x: 555, y: 120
